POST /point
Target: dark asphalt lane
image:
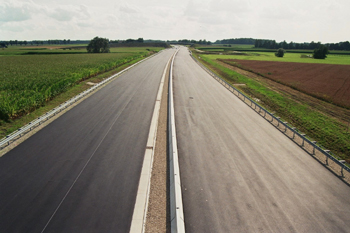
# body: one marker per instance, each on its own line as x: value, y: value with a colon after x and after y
x: 81, y: 172
x: 239, y: 173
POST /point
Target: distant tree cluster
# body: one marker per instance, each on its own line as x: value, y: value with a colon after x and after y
x: 139, y: 40
x: 59, y: 41
x: 339, y: 46
x: 280, y: 52
x: 236, y: 41
x: 3, y: 45
x: 321, y: 52
x: 98, y: 45
x: 14, y: 42
x: 36, y: 42
x: 186, y: 41
x: 272, y: 44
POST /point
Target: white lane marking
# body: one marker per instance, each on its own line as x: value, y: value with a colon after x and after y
x: 141, y: 204
x: 99, y: 144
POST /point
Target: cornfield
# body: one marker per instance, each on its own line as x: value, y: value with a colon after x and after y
x: 28, y: 81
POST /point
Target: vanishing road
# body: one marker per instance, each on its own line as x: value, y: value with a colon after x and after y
x: 239, y: 173
x: 81, y: 172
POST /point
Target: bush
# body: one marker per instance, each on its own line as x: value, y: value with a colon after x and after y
x: 280, y: 52
x: 321, y: 52
x: 98, y: 45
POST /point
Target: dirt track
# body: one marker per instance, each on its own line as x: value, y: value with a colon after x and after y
x: 324, y: 81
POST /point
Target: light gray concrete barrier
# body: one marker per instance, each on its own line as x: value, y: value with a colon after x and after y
x: 176, y: 206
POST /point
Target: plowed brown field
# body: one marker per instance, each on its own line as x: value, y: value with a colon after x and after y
x: 325, y: 81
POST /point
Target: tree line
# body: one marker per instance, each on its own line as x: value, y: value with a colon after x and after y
x: 236, y: 41
x: 41, y: 42
x: 186, y: 41
x: 272, y: 44
x: 258, y: 43
x: 139, y: 40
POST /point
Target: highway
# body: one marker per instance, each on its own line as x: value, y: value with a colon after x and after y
x: 81, y: 172
x: 239, y: 173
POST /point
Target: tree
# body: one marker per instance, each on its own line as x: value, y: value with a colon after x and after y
x: 321, y: 52
x: 280, y: 52
x: 3, y: 45
x: 98, y: 45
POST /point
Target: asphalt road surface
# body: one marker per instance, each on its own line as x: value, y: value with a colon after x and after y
x: 239, y: 173
x: 81, y: 172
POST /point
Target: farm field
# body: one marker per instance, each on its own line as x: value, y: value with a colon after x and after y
x: 28, y: 81
x: 67, y: 49
x: 288, y: 57
x: 324, y: 81
x: 214, y: 47
x: 321, y: 121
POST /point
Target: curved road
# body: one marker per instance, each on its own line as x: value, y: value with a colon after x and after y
x: 81, y: 172
x: 239, y: 173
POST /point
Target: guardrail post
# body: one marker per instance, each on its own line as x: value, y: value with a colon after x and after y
x: 303, y: 139
x: 327, y: 151
x: 313, y: 151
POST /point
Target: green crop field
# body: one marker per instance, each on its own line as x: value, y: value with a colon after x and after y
x: 64, y: 49
x: 252, y: 50
x: 28, y: 81
x: 288, y: 57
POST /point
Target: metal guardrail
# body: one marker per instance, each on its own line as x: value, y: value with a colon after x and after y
x: 6, y: 141
x: 305, y: 143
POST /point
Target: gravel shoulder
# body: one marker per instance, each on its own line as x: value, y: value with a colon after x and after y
x: 158, y: 218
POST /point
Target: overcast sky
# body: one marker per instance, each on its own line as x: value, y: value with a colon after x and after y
x: 291, y: 20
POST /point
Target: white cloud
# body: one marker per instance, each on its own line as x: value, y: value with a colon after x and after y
x: 62, y: 14
x: 68, y: 12
x: 129, y: 9
x: 15, y: 11
x: 297, y: 20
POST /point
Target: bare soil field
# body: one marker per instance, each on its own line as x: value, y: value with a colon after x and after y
x: 325, y: 81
